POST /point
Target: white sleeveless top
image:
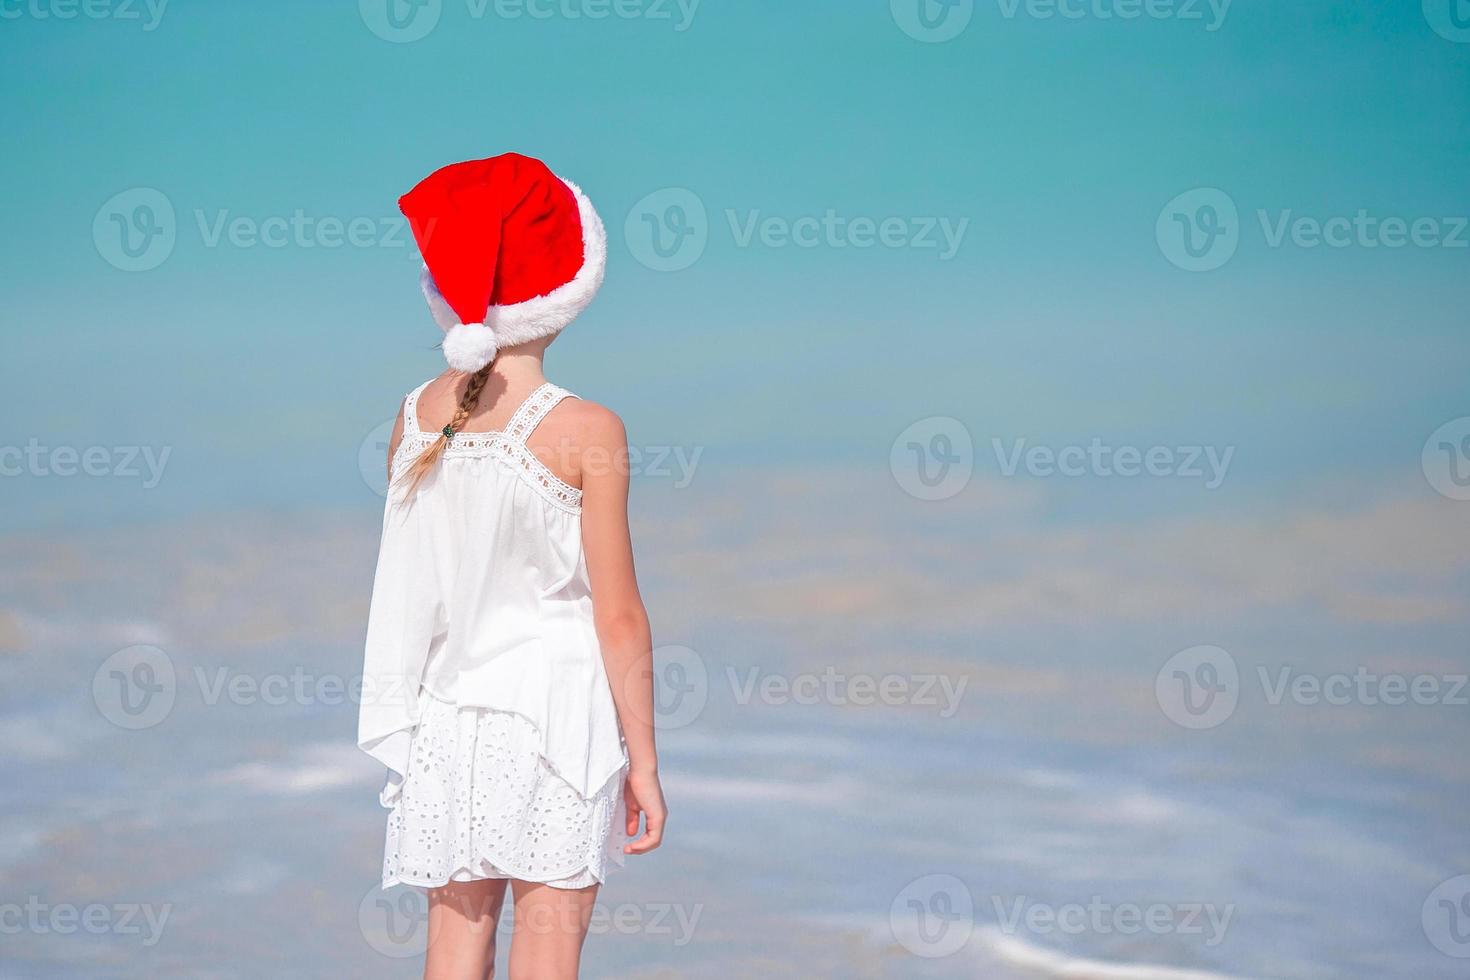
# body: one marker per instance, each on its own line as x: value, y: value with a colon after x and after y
x: 481, y: 599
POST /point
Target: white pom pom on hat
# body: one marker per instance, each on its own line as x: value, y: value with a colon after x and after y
x: 512, y: 253
x: 469, y: 346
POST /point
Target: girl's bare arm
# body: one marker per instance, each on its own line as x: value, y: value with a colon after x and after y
x: 618, y: 612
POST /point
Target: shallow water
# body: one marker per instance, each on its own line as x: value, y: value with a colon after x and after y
x: 1017, y: 805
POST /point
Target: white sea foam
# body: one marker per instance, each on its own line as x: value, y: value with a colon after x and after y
x: 742, y: 744
x: 35, y: 632
x: 313, y: 769
x: 832, y: 791
x: 1015, y: 952
x: 29, y: 738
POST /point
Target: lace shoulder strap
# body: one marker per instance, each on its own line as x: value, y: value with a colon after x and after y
x: 532, y: 411
x: 411, y: 409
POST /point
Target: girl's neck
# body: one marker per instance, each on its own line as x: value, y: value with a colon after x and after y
x: 516, y: 369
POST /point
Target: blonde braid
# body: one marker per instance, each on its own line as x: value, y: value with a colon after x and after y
x: 415, y: 474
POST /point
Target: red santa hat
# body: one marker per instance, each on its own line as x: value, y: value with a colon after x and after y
x: 512, y: 253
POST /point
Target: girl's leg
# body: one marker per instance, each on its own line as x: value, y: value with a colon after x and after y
x: 550, y: 925
x: 462, y: 920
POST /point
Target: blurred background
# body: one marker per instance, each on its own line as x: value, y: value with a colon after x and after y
x: 1052, y: 473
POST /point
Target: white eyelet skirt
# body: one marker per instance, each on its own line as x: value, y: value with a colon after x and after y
x: 479, y: 801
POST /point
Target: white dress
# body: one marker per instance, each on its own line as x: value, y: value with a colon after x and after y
x: 484, y: 691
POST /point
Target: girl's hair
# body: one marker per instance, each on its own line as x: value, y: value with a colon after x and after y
x: 415, y: 474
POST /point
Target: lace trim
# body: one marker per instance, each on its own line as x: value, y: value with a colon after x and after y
x: 532, y: 411
x: 411, y: 410
x: 523, y: 420
x: 507, y: 445
x: 525, y: 463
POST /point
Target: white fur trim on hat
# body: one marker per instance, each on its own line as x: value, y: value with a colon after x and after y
x: 541, y: 316
x: 469, y: 346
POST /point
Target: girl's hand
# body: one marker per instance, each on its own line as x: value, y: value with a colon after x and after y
x: 645, y: 796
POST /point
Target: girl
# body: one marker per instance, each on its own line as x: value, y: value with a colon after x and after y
x: 508, y: 668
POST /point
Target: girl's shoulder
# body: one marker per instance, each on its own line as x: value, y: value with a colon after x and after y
x: 585, y: 423
x: 575, y: 435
